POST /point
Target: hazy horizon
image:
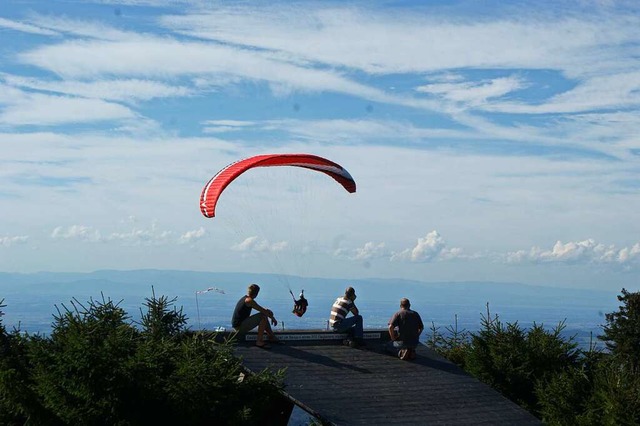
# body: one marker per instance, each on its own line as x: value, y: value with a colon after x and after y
x: 30, y: 299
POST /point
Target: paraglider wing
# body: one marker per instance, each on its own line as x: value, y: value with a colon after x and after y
x: 224, y: 177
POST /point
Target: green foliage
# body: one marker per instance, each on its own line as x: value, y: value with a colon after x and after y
x: 17, y: 399
x: 598, y: 392
x: 161, y: 320
x: 617, y: 384
x: 550, y: 377
x: 453, y: 344
x: 513, y: 360
x: 82, y: 371
x: 622, y: 331
x: 98, y: 368
x: 562, y: 399
x: 616, y: 394
x: 566, y: 398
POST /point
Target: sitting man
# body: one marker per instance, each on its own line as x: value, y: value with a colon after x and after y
x: 339, y: 321
x: 405, y: 327
x: 244, y: 322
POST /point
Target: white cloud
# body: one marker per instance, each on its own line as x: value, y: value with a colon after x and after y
x: 154, y: 3
x: 192, y: 236
x: 603, y: 68
x: 77, y: 232
x: 108, y: 90
x: 212, y: 64
x: 82, y: 28
x: 223, y: 126
x: 248, y: 47
x: 627, y: 254
x: 586, y: 251
x: 41, y: 109
x: 230, y: 123
x: 614, y: 91
x: 456, y: 253
x: 474, y: 93
x: 7, y: 241
x: 138, y: 236
x: 425, y: 250
x: 256, y: 244
x: 357, y: 131
x: 161, y: 57
x: 431, y: 247
x: 377, y: 41
x: 368, y: 251
x: 10, y: 94
x: 25, y: 28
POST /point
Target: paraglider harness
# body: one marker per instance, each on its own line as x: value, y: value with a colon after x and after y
x: 300, y: 305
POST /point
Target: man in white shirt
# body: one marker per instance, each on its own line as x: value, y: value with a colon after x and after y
x: 339, y: 321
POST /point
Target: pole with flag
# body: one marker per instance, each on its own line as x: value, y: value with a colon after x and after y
x: 216, y: 289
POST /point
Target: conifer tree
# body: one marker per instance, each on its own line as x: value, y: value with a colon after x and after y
x: 622, y: 331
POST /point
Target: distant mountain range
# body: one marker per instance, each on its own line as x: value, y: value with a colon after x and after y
x: 30, y: 298
x: 181, y: 283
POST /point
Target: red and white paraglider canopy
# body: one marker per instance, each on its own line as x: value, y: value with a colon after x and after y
x: 214, y: 188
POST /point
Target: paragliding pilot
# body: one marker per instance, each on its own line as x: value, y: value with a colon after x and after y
x: 300, y: 305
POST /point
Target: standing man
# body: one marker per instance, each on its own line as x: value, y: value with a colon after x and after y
x: 339, y: 321
x: 405, y: 327
x: 243, y: 322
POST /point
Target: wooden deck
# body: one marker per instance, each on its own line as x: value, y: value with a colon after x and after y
x: 340, y: 385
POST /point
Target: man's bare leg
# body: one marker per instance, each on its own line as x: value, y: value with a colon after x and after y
x: 264, y: 323
x: 269, y: 332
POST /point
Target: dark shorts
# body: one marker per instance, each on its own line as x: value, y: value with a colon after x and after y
x: 399, y: 344
x: 249, y: 323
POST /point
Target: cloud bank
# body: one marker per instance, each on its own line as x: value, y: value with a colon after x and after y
x: 7, y: 241
x: 135, y: 236
x: 586, y: 251
x: 257, y: 244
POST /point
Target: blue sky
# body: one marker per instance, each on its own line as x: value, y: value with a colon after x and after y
x: 496, y: 143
